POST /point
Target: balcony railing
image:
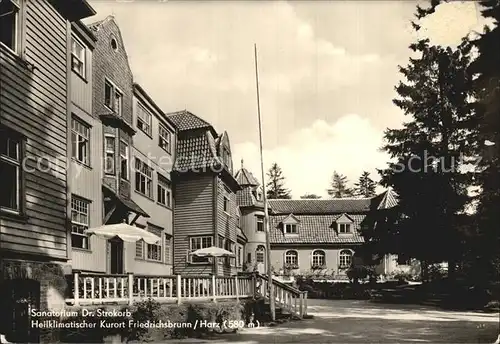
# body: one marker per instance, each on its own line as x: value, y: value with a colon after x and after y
x: 97, y: 289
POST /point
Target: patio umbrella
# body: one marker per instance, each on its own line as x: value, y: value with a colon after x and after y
x: 212, y: 251
x: 125, y: 232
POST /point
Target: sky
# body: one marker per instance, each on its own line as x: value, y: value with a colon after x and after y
x: 327, y: 73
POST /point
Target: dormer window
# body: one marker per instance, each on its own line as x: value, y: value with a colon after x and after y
x: 344, y: 228
x: 290, y: 228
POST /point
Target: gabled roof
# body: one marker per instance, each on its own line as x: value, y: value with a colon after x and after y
x: 389, y: 200
x: 320, y: 206
x: 346, y: 216
x: 196, y: 152
x: 245, y: 177
x: 315, y: 229
x: 185, y: 120
x: 290, y: 217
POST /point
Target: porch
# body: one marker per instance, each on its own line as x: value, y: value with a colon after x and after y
x: 106, y: 289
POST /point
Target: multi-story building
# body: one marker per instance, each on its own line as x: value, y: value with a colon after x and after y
x: 35, y: 122
x: 153, y: 153
x: 205, y: 210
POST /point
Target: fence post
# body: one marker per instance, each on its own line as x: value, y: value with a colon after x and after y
x: 301, y: 304
x: 237, y: 288
x: 305, y: 302
x: 130, y: 289
x: 214, y: 293
x: 254, y: 285
x: 76, y: 289
x: 179, y: 288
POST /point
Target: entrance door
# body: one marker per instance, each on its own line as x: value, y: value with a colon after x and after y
x: 116, y: 256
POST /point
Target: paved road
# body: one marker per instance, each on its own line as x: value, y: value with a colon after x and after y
x: 365, y: 322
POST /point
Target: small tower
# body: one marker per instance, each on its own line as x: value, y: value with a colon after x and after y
x: 251, y: 204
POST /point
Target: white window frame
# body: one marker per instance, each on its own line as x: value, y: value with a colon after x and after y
x: 116, y: 94
x: 17, y: 30
x: 124, y: 156
x: 230, y: 246
x: 292, y: 259
x: 260, y: 250
x: 163, y: 190
x: 82, y: 208
x: 143, y: 172
x: 239, y: 255
x: 16, y: 162
x: 76, y: 43
x: 164, y: 138
x: 317, y: 256
x: 154, y: 256
x: 343, y: 264
x: 260, y: 219
x: 205, y: 241
x: 290, y: 228
x: 109, y: 152
x: 344, y: 228
x: 81, y: 131
x: 143, y: 124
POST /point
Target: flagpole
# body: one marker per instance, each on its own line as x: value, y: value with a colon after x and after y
x: 266, y: 213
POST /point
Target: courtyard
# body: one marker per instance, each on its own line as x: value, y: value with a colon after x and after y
x: 348, y: 321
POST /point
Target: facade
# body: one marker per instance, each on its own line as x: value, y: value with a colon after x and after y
x: 205, y: 210
x: 153, y: 154
x: 35, y: 114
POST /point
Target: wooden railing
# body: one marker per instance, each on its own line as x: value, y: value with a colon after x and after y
x: 90, y: 289
x: 97, y: 289
x: 285, y: 296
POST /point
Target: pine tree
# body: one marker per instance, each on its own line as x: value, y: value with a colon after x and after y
x: 430, y: 150
x: 365, y: 187
x: 486, y: 67
x: 310, y: 196
x: 276, y: 185
x: 338, y: 186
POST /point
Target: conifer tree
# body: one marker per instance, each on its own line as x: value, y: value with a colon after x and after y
x: 365, y: 187
x: 276, y: 185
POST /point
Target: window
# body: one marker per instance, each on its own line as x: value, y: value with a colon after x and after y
x: 226, y: 158
x: 290, y: 228
x: 154, y: 250
x: 109, y: 150
x: 114, y: 44
x: 260, y: 223
x: 238, y: 220
x: 80, y: 141
x: 249, y: 257
x: 113, y: 98
x: 229, y: 246
x: 77, y: 57
x: 220, y: 243
x: 10, y: 165
x: 344, y: 228
x: 168, y: 251
x: 345, y: 258
x: 260, y: 254
x: 10, y: 27
x: 226, y: 204
x: 139, y: 249
x: 239, y: 256
x: 197, y: 243
x: 165, y: 138
x: 79, y: 223
x: 143, y: 120
x: 164, y: 194
x: 143, y: 178
x: 291, y: 259
x: 123, y: 160
x: 318, y: 259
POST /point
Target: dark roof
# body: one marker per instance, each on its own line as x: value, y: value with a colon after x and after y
x: 320, y: 206
x: 315, y: 229
x: 185, y: 120
x: 246, y: 198
x: 246, y: 178
x: 196, y: 151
